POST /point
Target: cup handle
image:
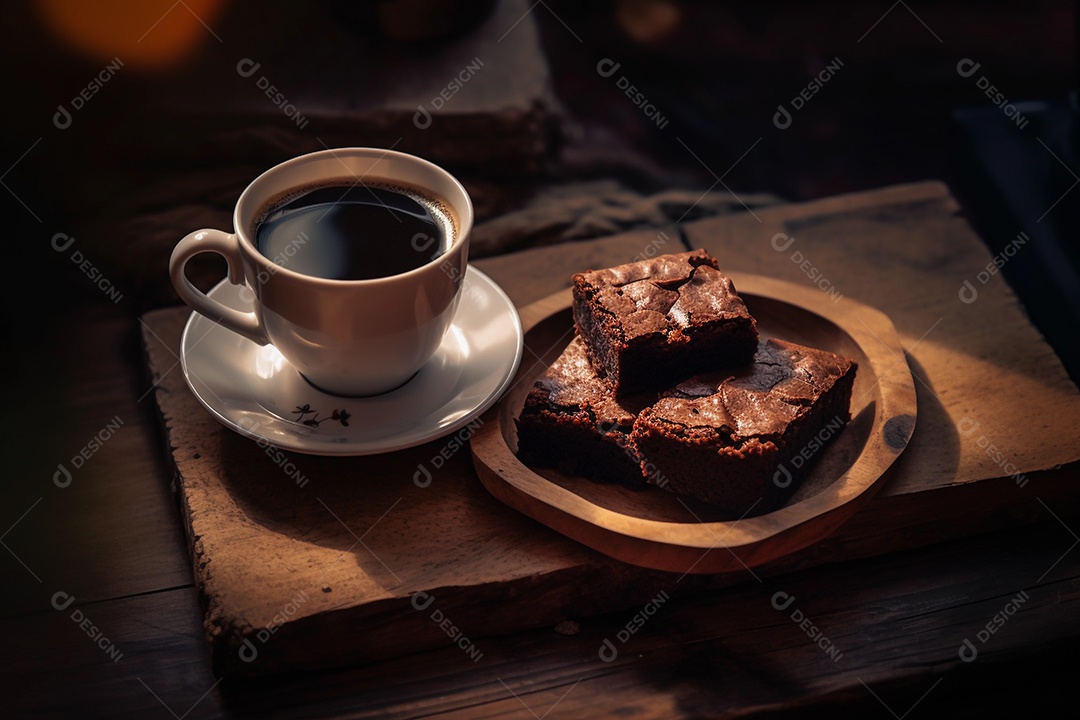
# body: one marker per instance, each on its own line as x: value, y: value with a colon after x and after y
x: 225, y: 245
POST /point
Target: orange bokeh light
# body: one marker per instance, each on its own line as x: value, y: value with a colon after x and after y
x: 150, y: 34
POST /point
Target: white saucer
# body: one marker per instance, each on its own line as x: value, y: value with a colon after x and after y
x: 253, y: 390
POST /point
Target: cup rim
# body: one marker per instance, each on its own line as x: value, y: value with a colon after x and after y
x: 465, y: 220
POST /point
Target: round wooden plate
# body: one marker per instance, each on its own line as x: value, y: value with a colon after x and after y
x: 656, y: 529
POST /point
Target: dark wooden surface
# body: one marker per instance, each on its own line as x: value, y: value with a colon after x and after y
x: 268, y: 554
x: 899, y: 620
x: 113, y: 540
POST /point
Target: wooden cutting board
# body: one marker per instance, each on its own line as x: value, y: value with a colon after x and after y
x: 361, y: 562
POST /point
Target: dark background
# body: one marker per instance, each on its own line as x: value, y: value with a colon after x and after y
x: 721, y: 69
x: 716, y: 72
x: 898, y: 111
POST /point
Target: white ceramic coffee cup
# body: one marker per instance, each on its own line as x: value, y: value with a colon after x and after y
x: 347, y: 337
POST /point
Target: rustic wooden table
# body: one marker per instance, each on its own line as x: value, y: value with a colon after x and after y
x: 954, y: 593
x: 957, y: 593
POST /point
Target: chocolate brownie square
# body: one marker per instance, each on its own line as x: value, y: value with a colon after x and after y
x: 571, y: 420
x: 648, y: 323
x: 743, y: 440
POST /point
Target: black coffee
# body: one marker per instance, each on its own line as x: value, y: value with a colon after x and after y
x: 353, y: 232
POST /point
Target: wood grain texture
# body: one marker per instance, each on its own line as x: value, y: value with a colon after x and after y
x: 896, y: 621
x: 655, y: 529
x: 323, y: 574
x: 995, y: 394
x: 341, y: 556
x: 80, y: 498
